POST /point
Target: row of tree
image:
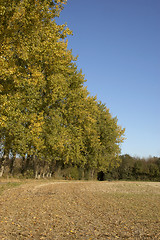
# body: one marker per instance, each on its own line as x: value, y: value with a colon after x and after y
x: 47, y: 117
x: 130, y: 168
x: 134, y: 168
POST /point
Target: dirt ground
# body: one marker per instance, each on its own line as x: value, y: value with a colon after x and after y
x: 80, y: 210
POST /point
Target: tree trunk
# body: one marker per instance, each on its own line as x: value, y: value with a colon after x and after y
x: 82, y: 174
x: 23, y: 164
x: 12, y: 163
x: 3, y: 161
x: 36, y: 175
x: 1, y: 171
x: 92, y: 173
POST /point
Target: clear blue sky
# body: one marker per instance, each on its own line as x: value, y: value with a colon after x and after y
x: 118, y: 44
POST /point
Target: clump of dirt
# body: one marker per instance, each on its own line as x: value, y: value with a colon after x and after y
x: 80, y: 210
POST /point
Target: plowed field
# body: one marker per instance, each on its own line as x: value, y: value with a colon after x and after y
x: 80, y: 210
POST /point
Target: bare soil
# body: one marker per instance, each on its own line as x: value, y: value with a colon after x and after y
x: 80, y: 210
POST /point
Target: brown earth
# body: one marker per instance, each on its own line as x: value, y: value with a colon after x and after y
x: 80, y: 210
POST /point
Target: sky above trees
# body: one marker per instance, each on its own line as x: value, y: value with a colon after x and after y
x: 119, y: 53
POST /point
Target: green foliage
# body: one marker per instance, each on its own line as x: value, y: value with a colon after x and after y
x: 71, y: 173
x: 133, y: 168
x: 47, y: 116
x: 29, y: 174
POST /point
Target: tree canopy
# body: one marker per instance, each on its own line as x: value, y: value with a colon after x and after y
x: 47, y: 116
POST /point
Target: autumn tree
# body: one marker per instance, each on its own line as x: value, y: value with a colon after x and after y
x: 47, y: 116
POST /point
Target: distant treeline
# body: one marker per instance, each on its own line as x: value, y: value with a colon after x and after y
x: 134, y: 168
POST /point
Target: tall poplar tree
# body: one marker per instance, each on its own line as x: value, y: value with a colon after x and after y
x: 46, y: 114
